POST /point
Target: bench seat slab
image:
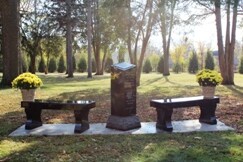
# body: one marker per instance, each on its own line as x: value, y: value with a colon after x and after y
x: 164, y: 108
x: 81, y: 109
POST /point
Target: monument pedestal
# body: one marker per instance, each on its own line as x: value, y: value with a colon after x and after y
x: 123, y: 123
x: 123, y: 97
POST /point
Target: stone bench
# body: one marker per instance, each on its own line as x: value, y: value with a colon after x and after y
x: 164, y: 108
x: 80, y: 107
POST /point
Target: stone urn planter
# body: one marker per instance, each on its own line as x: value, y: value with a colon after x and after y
x: 28, y: 94
x: 208, y: 80
x: 208, y: 91
x: 27, y: 83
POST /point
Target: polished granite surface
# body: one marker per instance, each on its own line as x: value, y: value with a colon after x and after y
x: 100, y: 128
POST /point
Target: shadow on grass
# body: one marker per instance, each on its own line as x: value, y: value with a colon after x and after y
x: 127, y: 148
x: 236, y: 89
x: 10, y: 121
x: 56, y: 79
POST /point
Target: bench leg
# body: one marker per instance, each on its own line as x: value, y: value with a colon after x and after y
x: 33, y: 116
x: 164, y: 119
x: 208, y: 114
x: 81, y: 120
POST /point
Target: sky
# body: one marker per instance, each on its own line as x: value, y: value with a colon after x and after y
x: 204, y: 32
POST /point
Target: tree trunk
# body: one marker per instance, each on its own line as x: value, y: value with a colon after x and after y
x: 166, y: 40
x: 10, y: 48
x: 129, y: 40
x: 89, y: 35
x: 69, y: 41
x: 104, y: 59
x: 32, y: 67
x: 226, y: 57
x: 151, y: 21
x: 141, y: 58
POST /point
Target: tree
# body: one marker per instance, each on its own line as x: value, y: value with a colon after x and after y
x: 61, y: 65
x: 193, y: 63
x: 121, y: 54
x: 177, y: 68
x: 168, y: 18
x: 166, y: 30
x: 108, y: 64
x: 225, y: 49
x: 69, y: 15
x: 52, y: 65
x: 241, y: 66
x: 148, y: 19
x: 89, y: 37
x: 135, y: 27
x: 160, y: 67
x: 202, y: 49
x: 42, y: 65
x: 209, y: 61
x: 53, y: 47
x: 74, y: 64
x: 69, y: 40
x: 82, y: 65
x: 24, y: 63
x: 154, y: 60
x: 35, y: 26
x: 147, y: 68
x: 10, y: 17
x: 178, y: 57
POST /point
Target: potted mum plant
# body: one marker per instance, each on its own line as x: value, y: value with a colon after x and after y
x: 208, y: 79
x: 27, y: 83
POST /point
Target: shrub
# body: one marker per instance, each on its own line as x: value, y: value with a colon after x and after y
x: 160, y: 67
x: 1, y: 63
x: 27, y: 81
x: 241, y: 66
x: 82, y: 65
x: 93, y: 66
x: 74, y: 64
x: 52, y: 65
x: 24, y: 64
x: 61, y: 65
x: 42, y: 65
x: 207, y: 77
x: 209, y: 61
x: 193, y: 63
x: 147, y: 68
x: 177, y: 67
x: 108, y: 64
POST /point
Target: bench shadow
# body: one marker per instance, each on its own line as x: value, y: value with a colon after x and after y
x: 235, y: 89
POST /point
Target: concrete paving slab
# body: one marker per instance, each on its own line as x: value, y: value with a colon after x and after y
x: 100, y: 128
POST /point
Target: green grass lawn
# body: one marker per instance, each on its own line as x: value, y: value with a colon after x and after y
x: 210, y: 146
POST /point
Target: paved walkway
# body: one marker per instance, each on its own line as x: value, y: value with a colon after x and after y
x: 100, y: 128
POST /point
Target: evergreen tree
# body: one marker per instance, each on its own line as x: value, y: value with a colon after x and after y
x: 241, y: 66
x: 209, y: 61
x: 93, y: 66
x: 160, y: 67
x: 177, y: 67
x: 24, y: 64
x: 193, y: 63
x: 42, y: 65
x: 52, y: 65
x: 147, y: 67
x: 74, y: 64
x: 108, y: 64
x: 82, y: 65
x: 61, y: 65
x: 1, y: 63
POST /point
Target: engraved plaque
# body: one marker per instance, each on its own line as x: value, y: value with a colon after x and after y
x: 123, y: 89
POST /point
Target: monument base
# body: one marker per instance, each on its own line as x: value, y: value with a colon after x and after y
x: 123, y: 123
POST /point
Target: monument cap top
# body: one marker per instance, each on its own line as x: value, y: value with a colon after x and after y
x: 124, y: 66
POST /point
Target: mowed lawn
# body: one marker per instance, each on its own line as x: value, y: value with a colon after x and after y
x: 206, y: 146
